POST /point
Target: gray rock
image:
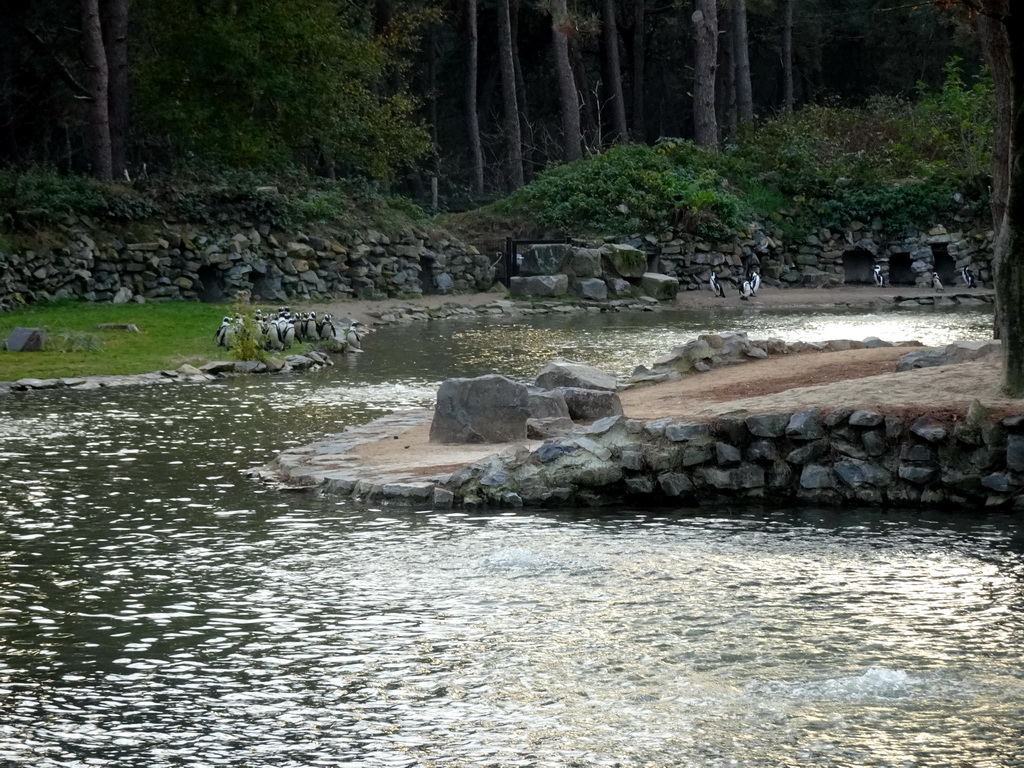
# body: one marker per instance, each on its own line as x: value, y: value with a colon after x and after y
x: 443, y: 499
x: 547, y: 259
x: 675, y: 484
x: 568, y: 373
x: 804, y: 425
x: 916, y: 474
x: 768, y: 424
x: 549, y: 404
x: 548, y: 286
x: 859, y: 473
x: 618, y: 287
x: 583, y: 263
x: 639, y: 485
x: 680, y: 433
x: 485, y: 409
x: 590, y: 288
x: 727, y: 455
x: 1015, y: 453
x: 927, y: 428
x: 866, y: 419
x: 921, y: 358
x: 552, y: 450
x: 997, y: 481
x: 26, y: 340
x: 762, y: 450
x: 817, y: 477
x: 808, y: 453
x: 624, y: 260
x: 590, y: 404
x: 660, y: 287
x: 548, y: 427
x: 735, y: 479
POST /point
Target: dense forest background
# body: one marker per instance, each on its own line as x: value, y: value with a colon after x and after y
x: 472, y: 92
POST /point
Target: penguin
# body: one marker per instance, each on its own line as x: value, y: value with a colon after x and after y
x: 325, y: 329
x: 745, y: 291
x: 936, y: 282
x: 353, y: 339
x: 309, y: 326
x: 968, y: 277
x: 717, y: 286
x: 755, y: 282
x: 222, y: 332
x: 285, y: 331
x: 879, y: 277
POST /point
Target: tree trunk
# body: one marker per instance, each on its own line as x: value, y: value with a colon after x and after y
x: 726, y: 93
x: 994, y: 45
x: 513, y: 138
x: 568, y: 99
x: 472, y: 116
x: 1010, y: 244
x: 639, y: 55
x: 613, y: 72
x: 788, y: 98
x: 590, y: 127
x: 525, y: 127
x: 97, y: 82
x: 744, y: 93
x: 115, y: 39
x: 705, y: 35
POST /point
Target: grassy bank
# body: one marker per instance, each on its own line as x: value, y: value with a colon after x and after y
x: 170, y: 334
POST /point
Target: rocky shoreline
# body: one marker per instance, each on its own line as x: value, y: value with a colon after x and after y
x: 839, y: 455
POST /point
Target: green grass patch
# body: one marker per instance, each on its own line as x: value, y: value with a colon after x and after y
x: 170, y: 334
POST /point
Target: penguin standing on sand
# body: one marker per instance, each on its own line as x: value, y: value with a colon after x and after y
x: 755, y: 282
x: 936, y: 283
x: 745, y: 291
x: 717, y: 286
x: 879, y: 277
x: 968, y: 277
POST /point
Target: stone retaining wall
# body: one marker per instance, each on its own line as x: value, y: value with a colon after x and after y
x: 839, y: 457
x: 190, y: 263
x: 829, y: 257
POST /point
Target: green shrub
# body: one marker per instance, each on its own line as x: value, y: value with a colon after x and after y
x: 626, y: 189
x: 75, y: 341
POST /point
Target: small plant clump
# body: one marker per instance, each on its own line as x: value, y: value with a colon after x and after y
x: 75, y: 341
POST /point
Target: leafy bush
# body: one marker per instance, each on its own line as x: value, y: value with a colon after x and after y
x: 627, y: 189
x: 898, y: 206
x: 45, y: 196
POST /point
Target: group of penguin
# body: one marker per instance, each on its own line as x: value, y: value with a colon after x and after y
x: 966, y: 274
x: 747, y: 288
x: 279, y: 330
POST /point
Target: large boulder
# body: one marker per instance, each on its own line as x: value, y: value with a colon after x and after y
x: 545, y: 259
x: 591, y: 404
x: 569, y: 373
x: 584, y: 262
x: 592, y: 288
x: 660, y: 287
x: 547, y: 404
x: 951, y: 354
x: 26, y: 340
x: 624, y: 260
x: 538, y: 285
x: 485, y: 409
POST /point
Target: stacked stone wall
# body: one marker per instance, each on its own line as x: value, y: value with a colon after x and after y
x: 194, y: 264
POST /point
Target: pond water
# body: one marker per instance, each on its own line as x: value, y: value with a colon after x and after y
x: 158, y: 609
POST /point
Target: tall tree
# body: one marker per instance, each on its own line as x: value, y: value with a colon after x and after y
x: 568, y: 99
x: 741, y: 57
x: 613, y: 71
x: 472, y: 115
x: 705, y: 35
x: 115, y: 43
x: 788, y: 99
x: 639, y: 57
x: 97, y: 81
x: 513, y: 138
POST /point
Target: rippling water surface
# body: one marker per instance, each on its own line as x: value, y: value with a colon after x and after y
x: 157, y: 609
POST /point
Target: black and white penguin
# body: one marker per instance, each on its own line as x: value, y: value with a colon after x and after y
x: 222, y: 332
x: 879, y: 277
x: 353, y: 339
x: 936, y: 282
x: 755, y: 282
x: 717, y: 286
x: 968, y: 277
x: 745, y: 290
x: 325, y: 328
x: 285, y: 331
x: 308, y: 326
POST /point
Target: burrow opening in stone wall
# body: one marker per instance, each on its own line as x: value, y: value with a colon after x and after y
x: 858, y: 266
x: 427, y: 283
x: 210, y: 288
x: 901, y: 271
x: 260, y: 290
x: 944, y: 264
